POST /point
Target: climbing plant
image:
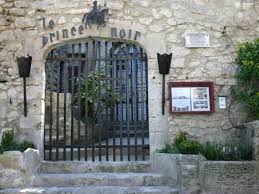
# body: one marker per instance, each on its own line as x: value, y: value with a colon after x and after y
x: 247, y: 89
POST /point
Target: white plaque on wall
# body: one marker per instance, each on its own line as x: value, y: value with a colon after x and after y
x: 197, y: 40
x: 222, y: 102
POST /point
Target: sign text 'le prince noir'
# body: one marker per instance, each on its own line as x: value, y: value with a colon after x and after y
x: 97, y: 16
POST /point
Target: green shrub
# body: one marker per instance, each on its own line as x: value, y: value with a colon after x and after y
x: 24, y: 145
x: 180, y: 137
x: 170, y: 149
x: 189, y: 146
x: 228, y: 151
x: 9, y: 144
x: 247, y: 90
x: 212, y: 151
x: 186, y: 145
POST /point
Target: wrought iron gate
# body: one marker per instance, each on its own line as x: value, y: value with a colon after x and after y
x: 96, y: 102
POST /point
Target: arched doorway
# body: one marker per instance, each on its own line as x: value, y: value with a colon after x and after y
x: 96, y: 102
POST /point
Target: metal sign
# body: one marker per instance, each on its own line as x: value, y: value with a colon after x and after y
x: 222, y: 102
x: 96, y: 16
x: 197, y: 40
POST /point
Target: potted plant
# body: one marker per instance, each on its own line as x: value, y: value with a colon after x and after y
x: 95, y: 96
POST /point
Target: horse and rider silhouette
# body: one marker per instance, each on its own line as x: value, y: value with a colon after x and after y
x: 96, y: 16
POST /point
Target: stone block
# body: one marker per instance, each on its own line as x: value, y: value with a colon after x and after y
x: 11, y: 178
x: 11, y: 160
x: 179, y: 62
x: 30, y: 122
x: 168, y: 165
x: 4, y: 22
x: 8, y: 5
x: 166, y: 12
x: 31, y: 160
x: 62, y: 4
x: 62, y: 20
x: 146, y: 20
x: 183, y: 169
x: 228, y: 177
x: 115, y: 5
x: 21, y: 4
x: 24, y: 23
x: 157, y: 141
x: 17, y: 12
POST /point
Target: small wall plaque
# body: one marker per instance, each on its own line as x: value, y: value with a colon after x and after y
x: 197, y: 40
x: 222, y: 102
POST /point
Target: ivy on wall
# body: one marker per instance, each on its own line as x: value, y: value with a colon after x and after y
x: 247, y: 89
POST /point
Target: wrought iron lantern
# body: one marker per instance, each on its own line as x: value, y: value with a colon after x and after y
x: 24, y: 68
x: 164, y: 63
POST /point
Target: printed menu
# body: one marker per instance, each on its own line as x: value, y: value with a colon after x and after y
x: 190, y: 99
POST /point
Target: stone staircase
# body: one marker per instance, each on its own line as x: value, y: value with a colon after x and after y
x: 97, y: 178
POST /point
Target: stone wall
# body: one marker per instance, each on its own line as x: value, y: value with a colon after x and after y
x: 162, y: 24
x: 183, y: 170
x: 194, y: 174
x: 17, y: 168
x: 255, y: 126
x: 228, y: 177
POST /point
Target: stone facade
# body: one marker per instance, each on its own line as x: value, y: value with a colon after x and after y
x: 228, y: 177
x: 194, y: 174
x: 183, y: 170
x: 162, y: 25
x: 255, y: 126
x: 17, y: 169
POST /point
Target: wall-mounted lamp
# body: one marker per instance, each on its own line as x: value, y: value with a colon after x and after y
x: 164, y: 63
x: 24, y: 67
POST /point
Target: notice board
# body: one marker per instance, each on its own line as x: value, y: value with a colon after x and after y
x: 191, y: 97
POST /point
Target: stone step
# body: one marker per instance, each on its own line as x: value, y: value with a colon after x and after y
x: 101, y: 179
x: 93, y: 190
x: 89, y: 167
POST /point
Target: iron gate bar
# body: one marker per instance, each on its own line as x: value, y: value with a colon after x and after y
x: 142, y: 105
x: 132, y: 92
x: 57, y: 119
x: 80, y: 63
x: 120, y: 88
x: 94, y: 97
x: 86, y: 100
x: 72, y: 106
x: 127, y: 99
x: 65, y: 103
x: 106, y: 90
x: 99, y: 93
x: 136, y: 89
x: 50, y: 119
x: 113, y: 91
x: 44, y: 132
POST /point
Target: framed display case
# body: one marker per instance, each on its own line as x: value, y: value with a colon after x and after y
x: 191, y: 97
